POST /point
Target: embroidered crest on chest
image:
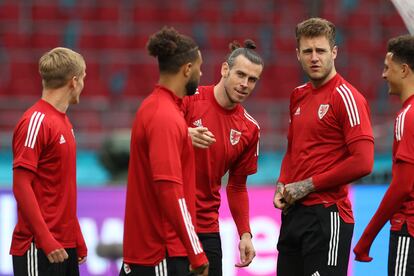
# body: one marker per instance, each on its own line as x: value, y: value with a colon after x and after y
x: 323, y: 109
x: 234, y: 136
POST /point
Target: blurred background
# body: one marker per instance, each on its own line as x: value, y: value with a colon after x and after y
x: 111, y: 35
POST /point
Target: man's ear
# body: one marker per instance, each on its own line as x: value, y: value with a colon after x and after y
x: 405, y: 70
x: 225, y: 69
x: 73, y: 82
x: 187, y: 69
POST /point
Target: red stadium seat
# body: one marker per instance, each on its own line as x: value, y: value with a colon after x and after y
x: 9, y: 10
x: 24, y: 78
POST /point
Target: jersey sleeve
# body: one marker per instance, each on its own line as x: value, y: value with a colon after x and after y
x: 284, y: 167
x: 165, y: 138
x: 28, y: 141
x: 404, y: 130
x: 171, y: 199
x: 246, y: 164
x: 353, y: 113
x: 186, y: 106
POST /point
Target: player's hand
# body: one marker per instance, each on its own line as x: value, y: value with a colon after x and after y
x: 201, y: 270
x: 297, y: 190
x: 278, y: 200
x: 247, y: 252
x: 82, y: 260
x: 201, y: 137
x: 57, y: 256
x: 361, y: 250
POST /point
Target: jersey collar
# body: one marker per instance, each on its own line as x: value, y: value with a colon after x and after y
x: 329, y: 85
x: 219, y: 107
x: 176, y: 99
x: 50, y: 107
x: 408, y: 101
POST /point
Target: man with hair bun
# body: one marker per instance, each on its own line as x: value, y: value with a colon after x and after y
x: 47, y: 239
x: 234, y: 148
x: 160, y: 201
x: 330, y: 144
x: 398, y: 202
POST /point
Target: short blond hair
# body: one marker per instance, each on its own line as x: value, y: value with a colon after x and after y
x: 59, y: 65
x: 314, y: 27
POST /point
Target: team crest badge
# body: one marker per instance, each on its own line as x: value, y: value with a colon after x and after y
x: 234, y: 136
x: 323, y: 109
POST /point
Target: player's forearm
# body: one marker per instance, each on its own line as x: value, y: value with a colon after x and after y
x: 238, y: 200
x: 81, y: 248
x: 30, y: 210
x: 357, y: 165
x: 172, y: 202
x: 401, y: 186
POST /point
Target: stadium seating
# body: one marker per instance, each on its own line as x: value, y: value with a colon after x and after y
x: 112, y: 36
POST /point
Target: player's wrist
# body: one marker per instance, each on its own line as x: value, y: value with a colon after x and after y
x: 198, y: 260
x: 246, y: 235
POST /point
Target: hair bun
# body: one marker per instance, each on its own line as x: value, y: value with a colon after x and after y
x: 249, y: 44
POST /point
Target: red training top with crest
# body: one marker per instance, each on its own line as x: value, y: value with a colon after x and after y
x: 236, y: 150
x: 323, y: 121
x: 44, y: 143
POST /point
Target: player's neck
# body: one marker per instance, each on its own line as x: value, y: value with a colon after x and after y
x: 406, y: 93
x: 173, y: 84
x: 222, y: 97
x: 58, y: 98
x: 318, y: 83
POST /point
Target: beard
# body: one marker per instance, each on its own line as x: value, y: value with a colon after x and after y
x: 191, y: 86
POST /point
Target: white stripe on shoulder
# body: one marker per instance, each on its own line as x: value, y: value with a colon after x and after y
x: 350, y: 104
x: 251, y: 119
x: 403, y: 119
x: 301, y: 86
x: 353, y: 103
x: 33, y: 128
x: 399, y: 125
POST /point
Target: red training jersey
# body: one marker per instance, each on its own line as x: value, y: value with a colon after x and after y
x: 403, y: 150
x: 323, y: 121
x: 236, y: 150
x: 161, y: 150
x: 44, y: 143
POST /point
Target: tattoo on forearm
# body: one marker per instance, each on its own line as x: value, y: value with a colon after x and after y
x: 279, y: 187
x: 300, y: 189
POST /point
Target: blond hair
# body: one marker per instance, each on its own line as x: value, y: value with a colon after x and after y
x: 314, y: 27
x: 59, y: 65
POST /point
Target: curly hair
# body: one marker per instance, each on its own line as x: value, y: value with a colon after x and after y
x: 172, y: 49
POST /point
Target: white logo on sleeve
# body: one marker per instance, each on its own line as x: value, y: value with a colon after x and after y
x: 198, y: 123
x: 297, y: 112
x: 323, y: 109
x: 62, y: 139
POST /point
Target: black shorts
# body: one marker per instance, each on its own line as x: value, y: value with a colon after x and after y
x: 35, y: 263
x: 212, y: 247
x: 314, y: 241
x: 401, y: 253
x: 171, y: 266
